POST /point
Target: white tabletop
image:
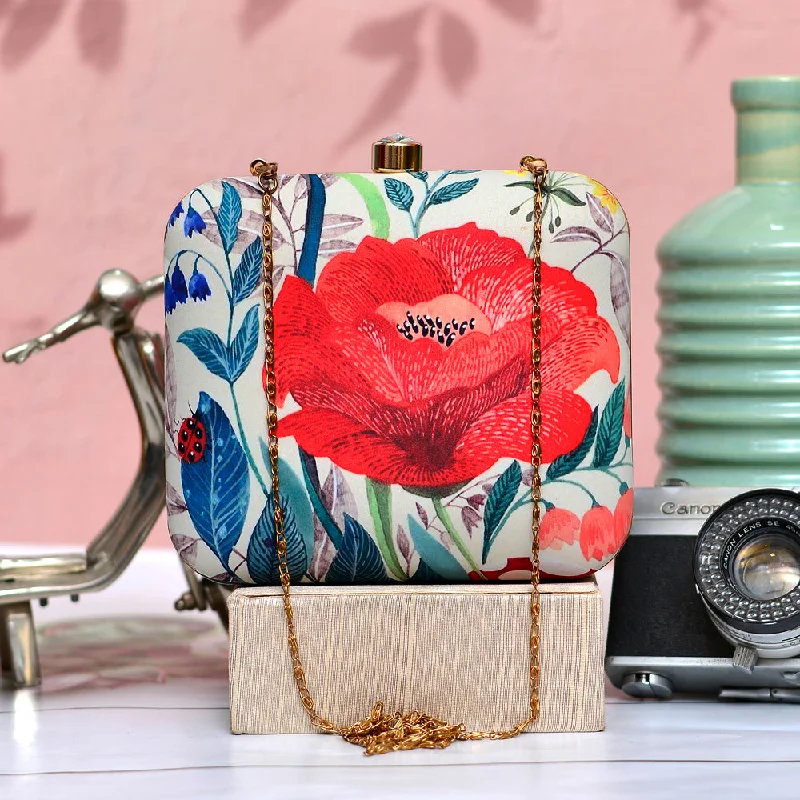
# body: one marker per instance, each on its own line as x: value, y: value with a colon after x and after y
x: 140, y: 710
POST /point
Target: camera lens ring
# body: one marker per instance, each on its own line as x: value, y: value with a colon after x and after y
x: 765, y: 564
x: 735, y: 525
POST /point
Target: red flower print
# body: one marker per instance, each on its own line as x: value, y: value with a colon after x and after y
x: 623, y: 516
x: 516, y: 569
x: 557, y: 528
x: 603, y: 533
x: 597, y: 529
x: 411, y: 360
x: 519, y: 569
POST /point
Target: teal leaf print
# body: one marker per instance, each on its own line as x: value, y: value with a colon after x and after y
x: 248, y: 273
x: 217, y: 487
x: 570, y: 198
x: 399, y: 193
x: 294, y: 493
x: 497, y: 503
x: 435, y: 555
x: 609, y: 431
x: 425, y: 574
x: 420, y: 176
x: 228, y: 215
x: 243, y: 347
x: 262, y: 553
x: 447, y: 193
x: 358, y: 559
x: 563, y: 465
x: 209, y: 349
x: 311, y: 478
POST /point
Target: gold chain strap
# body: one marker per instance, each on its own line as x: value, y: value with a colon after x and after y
x: 381, y: 732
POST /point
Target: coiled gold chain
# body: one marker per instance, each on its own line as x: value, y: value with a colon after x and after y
x: 381, y: 732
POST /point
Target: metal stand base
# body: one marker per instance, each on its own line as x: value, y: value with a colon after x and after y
x: 19, y: 654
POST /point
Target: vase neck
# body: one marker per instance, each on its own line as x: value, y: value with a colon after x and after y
x: 767, y: 129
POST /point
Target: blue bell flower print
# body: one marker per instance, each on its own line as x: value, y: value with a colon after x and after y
x: 193, y: 223
x: 179, y: 286
x: 176, y: 213
x: 198, y: 285
x: 169, y: 297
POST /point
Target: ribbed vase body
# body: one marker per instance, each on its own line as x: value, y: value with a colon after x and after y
x: 730, y: 310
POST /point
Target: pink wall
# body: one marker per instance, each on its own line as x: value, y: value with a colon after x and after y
x: 111, y: 109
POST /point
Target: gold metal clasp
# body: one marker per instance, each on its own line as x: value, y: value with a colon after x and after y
x: 396, y: 153
x: 536, y: 166
x: 267, y: 174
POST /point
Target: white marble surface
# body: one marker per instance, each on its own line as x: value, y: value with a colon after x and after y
x: 142, y: 712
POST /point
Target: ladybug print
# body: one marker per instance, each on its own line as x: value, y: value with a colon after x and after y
x: 192, y: 440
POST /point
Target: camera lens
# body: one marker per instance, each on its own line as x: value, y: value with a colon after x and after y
x: 767, y: 568
x: 747, y: 571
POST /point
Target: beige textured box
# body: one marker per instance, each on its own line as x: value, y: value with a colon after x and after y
x: 457, y: 652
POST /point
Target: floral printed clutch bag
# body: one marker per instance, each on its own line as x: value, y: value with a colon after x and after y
x: 402, y: 332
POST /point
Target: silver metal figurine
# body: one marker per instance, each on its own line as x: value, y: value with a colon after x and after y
x: 113, y: 304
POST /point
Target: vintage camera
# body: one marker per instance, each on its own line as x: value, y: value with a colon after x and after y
x: 706, y: 595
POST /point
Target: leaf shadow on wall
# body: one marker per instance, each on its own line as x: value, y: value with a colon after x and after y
x: 525, y: 11
x: 396, y: 39
x: 457, y: 50
x: 12, y: 224
x: 27, y: 24
x: 256, y: 14
x: 703, y: 16
x: 100, y: 32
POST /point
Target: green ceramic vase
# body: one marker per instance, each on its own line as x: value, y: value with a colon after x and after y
x: 730, y: 310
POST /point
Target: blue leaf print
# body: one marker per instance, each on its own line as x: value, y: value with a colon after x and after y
x: 243, y: 347
x: 447, y: 193
x: 294, y: 493
x: 228, y: 215
x: 315, y: 212
x: 217, y: 488
x: 209, y: 349
x: 247, y: 274
x: 420, y: 176
x: 497, y: 503
x: 425, y: 574
x: 399, y: 193
x: 262, y: 552
x: 435, y: 555
x: 358, y: 559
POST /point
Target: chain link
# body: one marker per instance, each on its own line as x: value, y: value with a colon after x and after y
x: 381, y: 732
